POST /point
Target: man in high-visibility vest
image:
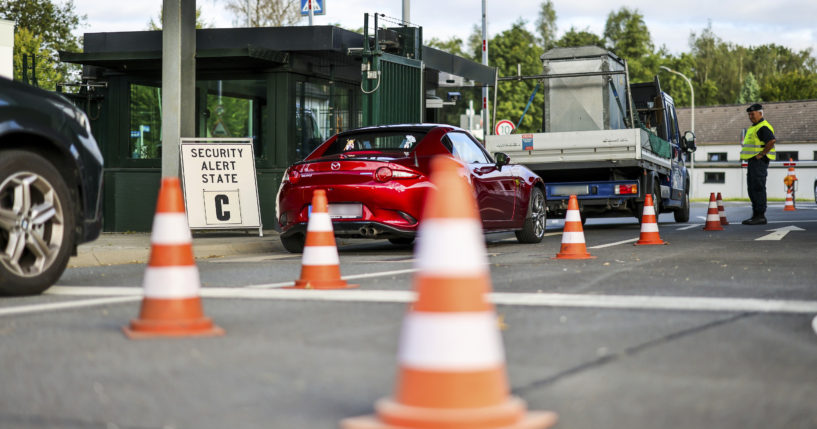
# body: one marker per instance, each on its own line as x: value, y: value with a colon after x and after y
x: 757, y: 150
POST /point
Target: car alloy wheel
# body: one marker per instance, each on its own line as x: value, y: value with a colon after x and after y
x: 31, y: 218
x: 36, y: 224
x: 536, y: 221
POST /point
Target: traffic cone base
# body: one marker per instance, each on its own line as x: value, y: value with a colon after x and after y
x: 320, y: 266
x: 171, y: 306
x: 573, y: 245
x: 713, y: 219
x: 510, y: 415
x: 649, y: 225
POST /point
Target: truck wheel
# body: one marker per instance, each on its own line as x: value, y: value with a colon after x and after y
x: 656, y: 201
x: 294, y: 243
x: 36, y: 223
x: 534, y: 227
x: 682, y: 214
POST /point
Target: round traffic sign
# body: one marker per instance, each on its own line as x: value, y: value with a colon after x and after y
x: 504, y: 127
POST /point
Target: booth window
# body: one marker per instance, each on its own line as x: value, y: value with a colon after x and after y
x: 714, y: 177
x: 145, y: 139
x: 234, y: 108
x: 785, y: 156
x: 716, y: 156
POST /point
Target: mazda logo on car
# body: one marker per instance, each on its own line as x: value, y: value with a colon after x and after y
x: 335, y: 166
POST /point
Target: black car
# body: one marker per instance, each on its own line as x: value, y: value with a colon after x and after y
x: 50, y: 186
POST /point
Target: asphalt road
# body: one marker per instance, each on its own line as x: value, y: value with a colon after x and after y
x: 712, y: 330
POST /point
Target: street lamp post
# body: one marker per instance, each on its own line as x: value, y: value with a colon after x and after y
x: 692, y: 120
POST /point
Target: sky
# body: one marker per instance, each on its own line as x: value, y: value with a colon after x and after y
x: 784, y: 22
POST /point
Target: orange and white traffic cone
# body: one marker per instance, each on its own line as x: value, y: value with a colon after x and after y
x: 320, y: 266
x: 573, y: 245
x: 171, y: 306
x: 649, y: 225
x: 722, y: 211
x: 789, y: 206
x: 713, y: 219
x: 451, y: 359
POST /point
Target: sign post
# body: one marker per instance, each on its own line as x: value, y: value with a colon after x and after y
x: 220, y: 187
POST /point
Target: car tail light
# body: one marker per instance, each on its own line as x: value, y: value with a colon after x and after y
x: 626, y: 189
x: 384, y: 174
x: 293, y: 176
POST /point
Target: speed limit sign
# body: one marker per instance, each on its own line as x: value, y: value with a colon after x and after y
x: 504, y: 128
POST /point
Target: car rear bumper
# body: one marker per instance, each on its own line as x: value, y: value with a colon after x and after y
x: 357, y: 229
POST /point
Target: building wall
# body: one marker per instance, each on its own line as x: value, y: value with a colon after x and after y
x: 734, y: 185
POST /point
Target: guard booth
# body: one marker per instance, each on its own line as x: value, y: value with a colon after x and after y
x: 286, y: 88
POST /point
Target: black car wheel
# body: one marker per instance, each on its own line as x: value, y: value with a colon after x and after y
x: 294, y: 243
x: 36, y: 223
x: 534, y: 227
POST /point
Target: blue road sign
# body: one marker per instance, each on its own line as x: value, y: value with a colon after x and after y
x: 317, y: 7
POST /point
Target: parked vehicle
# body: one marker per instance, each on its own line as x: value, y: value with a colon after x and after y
x: 50, y: 186
x: 605, y: 140
x: 376, y: 179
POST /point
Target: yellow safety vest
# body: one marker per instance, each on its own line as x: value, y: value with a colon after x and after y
x: 752, y: 145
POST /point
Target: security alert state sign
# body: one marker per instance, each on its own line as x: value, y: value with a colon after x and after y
x: 220, y: 187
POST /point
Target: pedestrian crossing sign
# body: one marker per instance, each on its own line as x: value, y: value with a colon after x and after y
x: 317, y: 7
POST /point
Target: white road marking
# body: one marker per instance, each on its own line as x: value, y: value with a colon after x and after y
x: 35, y: 308
x: 684, y: 228
x: 814, y: 324
x: 601, y: 246
x: 778, y: 233
x: 635, y: 302
x: 701, y: 217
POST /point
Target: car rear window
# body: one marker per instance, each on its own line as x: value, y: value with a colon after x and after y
x: 404, y: 141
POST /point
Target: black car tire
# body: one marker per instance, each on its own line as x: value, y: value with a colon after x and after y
x: 37, y: 213
x: 294, y: 243
x: 401, y: 241
x: 815, y: 191
x: 536, y: 220
x: 682, y: 214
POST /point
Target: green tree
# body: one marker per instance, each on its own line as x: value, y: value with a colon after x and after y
x: 628, y: 36
x: 509, y: 48
x: 54, y: 25
x: 790, y: 86
x: 157, y: 25
x: 750, y: 91
x: 265, y: 13
x: 575, y: 37
x: 546, y: 24
x: 452, y: 46
x: 31, y: 45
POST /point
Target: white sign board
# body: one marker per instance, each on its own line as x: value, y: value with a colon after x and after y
x: 504, y: 128
x: 7, y: 48
x: 220, y: 187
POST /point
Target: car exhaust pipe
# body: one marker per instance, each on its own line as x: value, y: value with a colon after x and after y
x: 368, y: 231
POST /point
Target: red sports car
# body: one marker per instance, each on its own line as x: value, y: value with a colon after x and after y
x: 376, y: 179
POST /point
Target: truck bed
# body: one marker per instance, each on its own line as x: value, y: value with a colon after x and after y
x: 628, y: 147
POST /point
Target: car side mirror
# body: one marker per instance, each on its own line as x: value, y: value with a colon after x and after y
x: 502, y: 159
x: 688, y: 142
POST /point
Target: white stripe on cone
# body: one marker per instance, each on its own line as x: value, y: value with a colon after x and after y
x: 713, y: 218
x: 451, y: 247
x: 573, y: 237
x: 319, y: 222
x: 170, y: 228
x: 649, y: 210
x: 649, y: 227
x: 573, y: 216
x: 320, y: 255
x: 171, y: 282
x: 451, y: 341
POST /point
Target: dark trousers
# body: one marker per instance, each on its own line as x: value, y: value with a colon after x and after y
x: 756, y: 181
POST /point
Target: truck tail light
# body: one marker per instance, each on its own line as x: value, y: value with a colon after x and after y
x: 626, y: 189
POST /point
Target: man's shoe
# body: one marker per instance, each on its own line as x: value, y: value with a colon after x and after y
x: 759, y: 220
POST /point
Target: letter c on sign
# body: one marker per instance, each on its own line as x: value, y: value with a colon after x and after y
x: 221, y: 214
